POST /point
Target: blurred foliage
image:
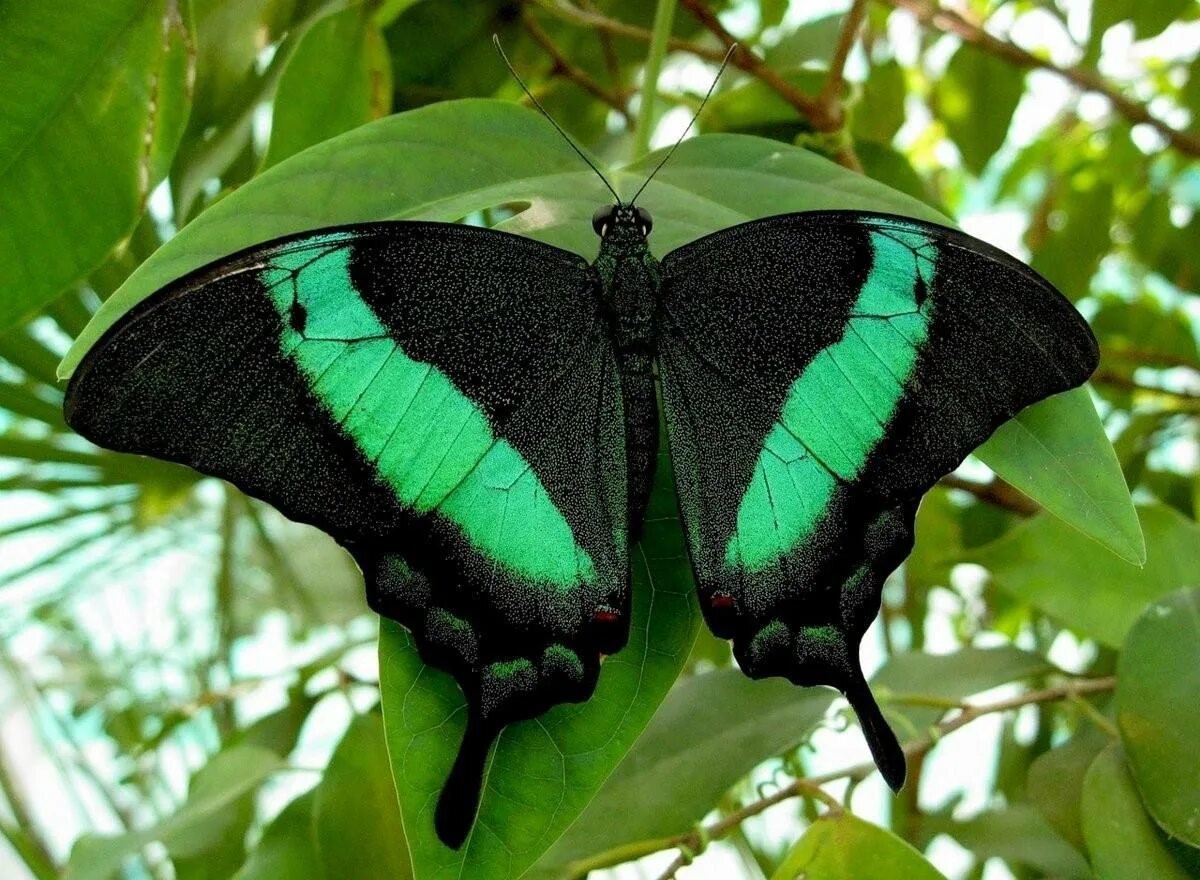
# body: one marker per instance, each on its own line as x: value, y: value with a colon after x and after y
x: 187, y: 682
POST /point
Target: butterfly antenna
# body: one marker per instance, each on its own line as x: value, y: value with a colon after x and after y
x: 536, y: 103
x: 695, y: 116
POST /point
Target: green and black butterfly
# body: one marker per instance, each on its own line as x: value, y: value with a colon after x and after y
x: 474, y: 415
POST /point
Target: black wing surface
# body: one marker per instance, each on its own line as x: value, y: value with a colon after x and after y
x: 441, y: 399
x: 820, y: 372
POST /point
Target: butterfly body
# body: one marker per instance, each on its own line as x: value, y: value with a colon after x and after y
x: 475, y: 417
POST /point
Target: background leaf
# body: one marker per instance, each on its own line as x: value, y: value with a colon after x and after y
x: 1122, y: 840
x: 1053, y: 567
x: 338, y: 77
x: 710, y: 732
x: 94, y: 106
x: 1158, y: 677
x: 1056, y: 451
x: 845, y: 847
x: 972, y: 80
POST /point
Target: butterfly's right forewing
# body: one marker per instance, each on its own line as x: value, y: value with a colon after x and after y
x: 820, y: 372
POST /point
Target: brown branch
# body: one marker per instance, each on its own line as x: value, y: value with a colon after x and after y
x: 837, y: 65
x: 693, y: 841
x: 824, y: 118
x: 564, y: 68
x: 825, y: 111
x: 1120, y: 380
x: 997, y: 493
x: 1088, y: 80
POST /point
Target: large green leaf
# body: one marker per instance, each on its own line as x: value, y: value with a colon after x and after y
x: 1018, y: 834
x: 448, y: 160
x: 1055, y: 568
x: 711, y: 731
x: 844, y: 847
x: 1158, y: 681
x: 973, y: 80
x: 1056, y: 451
x: 922, y: 678
x: 92, y: 104
x: 356, y: 821
x: 1123, y: 842
x: 287, y: 848
x: 348, y: 826
x: 445, y: 162
x: 1055, y: 783
x: 201, y: 821
x: 543, y: 772
x: 338, y: 77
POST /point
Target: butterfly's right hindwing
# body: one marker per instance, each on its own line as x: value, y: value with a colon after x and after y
x: 441, y: 399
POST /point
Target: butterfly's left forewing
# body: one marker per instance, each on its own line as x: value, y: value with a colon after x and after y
x: 820, y: 372
x: 445, y: 402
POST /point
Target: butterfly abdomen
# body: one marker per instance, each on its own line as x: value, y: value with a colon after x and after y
x: 630, y: 280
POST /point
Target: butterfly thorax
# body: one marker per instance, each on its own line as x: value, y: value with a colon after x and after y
x: 629, y: 284
x: 629, y: 278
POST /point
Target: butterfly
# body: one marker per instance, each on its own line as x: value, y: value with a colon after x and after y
x: 475, y: 417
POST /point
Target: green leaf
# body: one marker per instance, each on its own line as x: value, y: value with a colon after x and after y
x: 1072, y: 252
x: 812, y: 41
x: 1123, y: 842
x: 1158, y: 680
x: 199, y: 823
x: 1019, y: 835
x: 1057, y: 453
x: 95, y: 102
x: 845, y: 847
x: 879, y: 112
x: 950, y: 678
x: 1151, y: 19
x: 543, y: 772
x: 938, y: 544
x: 1055, y: 783
x: 753, y: 108
x: 287, y: 848
x: 226, y: 43
x: 976, y: 98
x: 711, y: 731
x: 356, y: 821
x: 338, y: 77
x: 1056, y: 569
x: 348, y: 826
x: 448, y: 160
x: 889, y: 166
x: 1147, y: 332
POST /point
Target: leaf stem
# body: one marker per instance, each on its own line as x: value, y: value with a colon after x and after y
x: 664, y: 18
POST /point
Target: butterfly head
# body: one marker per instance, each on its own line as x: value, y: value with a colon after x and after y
x: 622, y: 222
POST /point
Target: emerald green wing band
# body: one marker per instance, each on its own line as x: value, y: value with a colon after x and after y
x: 427, y: 440
x: 839, y: 407
x: 444, y: 401
x: 820, y: 372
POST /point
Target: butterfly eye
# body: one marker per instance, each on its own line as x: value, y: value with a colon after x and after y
x: 602, y: 219
x: 645, y: 221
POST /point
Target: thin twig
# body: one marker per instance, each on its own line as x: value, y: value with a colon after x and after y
x: 837, y: 65
x: 564, y: 68
x: 1084, y: 78
x: 996, y: 492
x: 693, y: 840
x: 752, y: 64
x: 1120, y: 380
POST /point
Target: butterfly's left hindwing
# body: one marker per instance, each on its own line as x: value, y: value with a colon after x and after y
x: 820, y: 372
x: 441, y: 399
